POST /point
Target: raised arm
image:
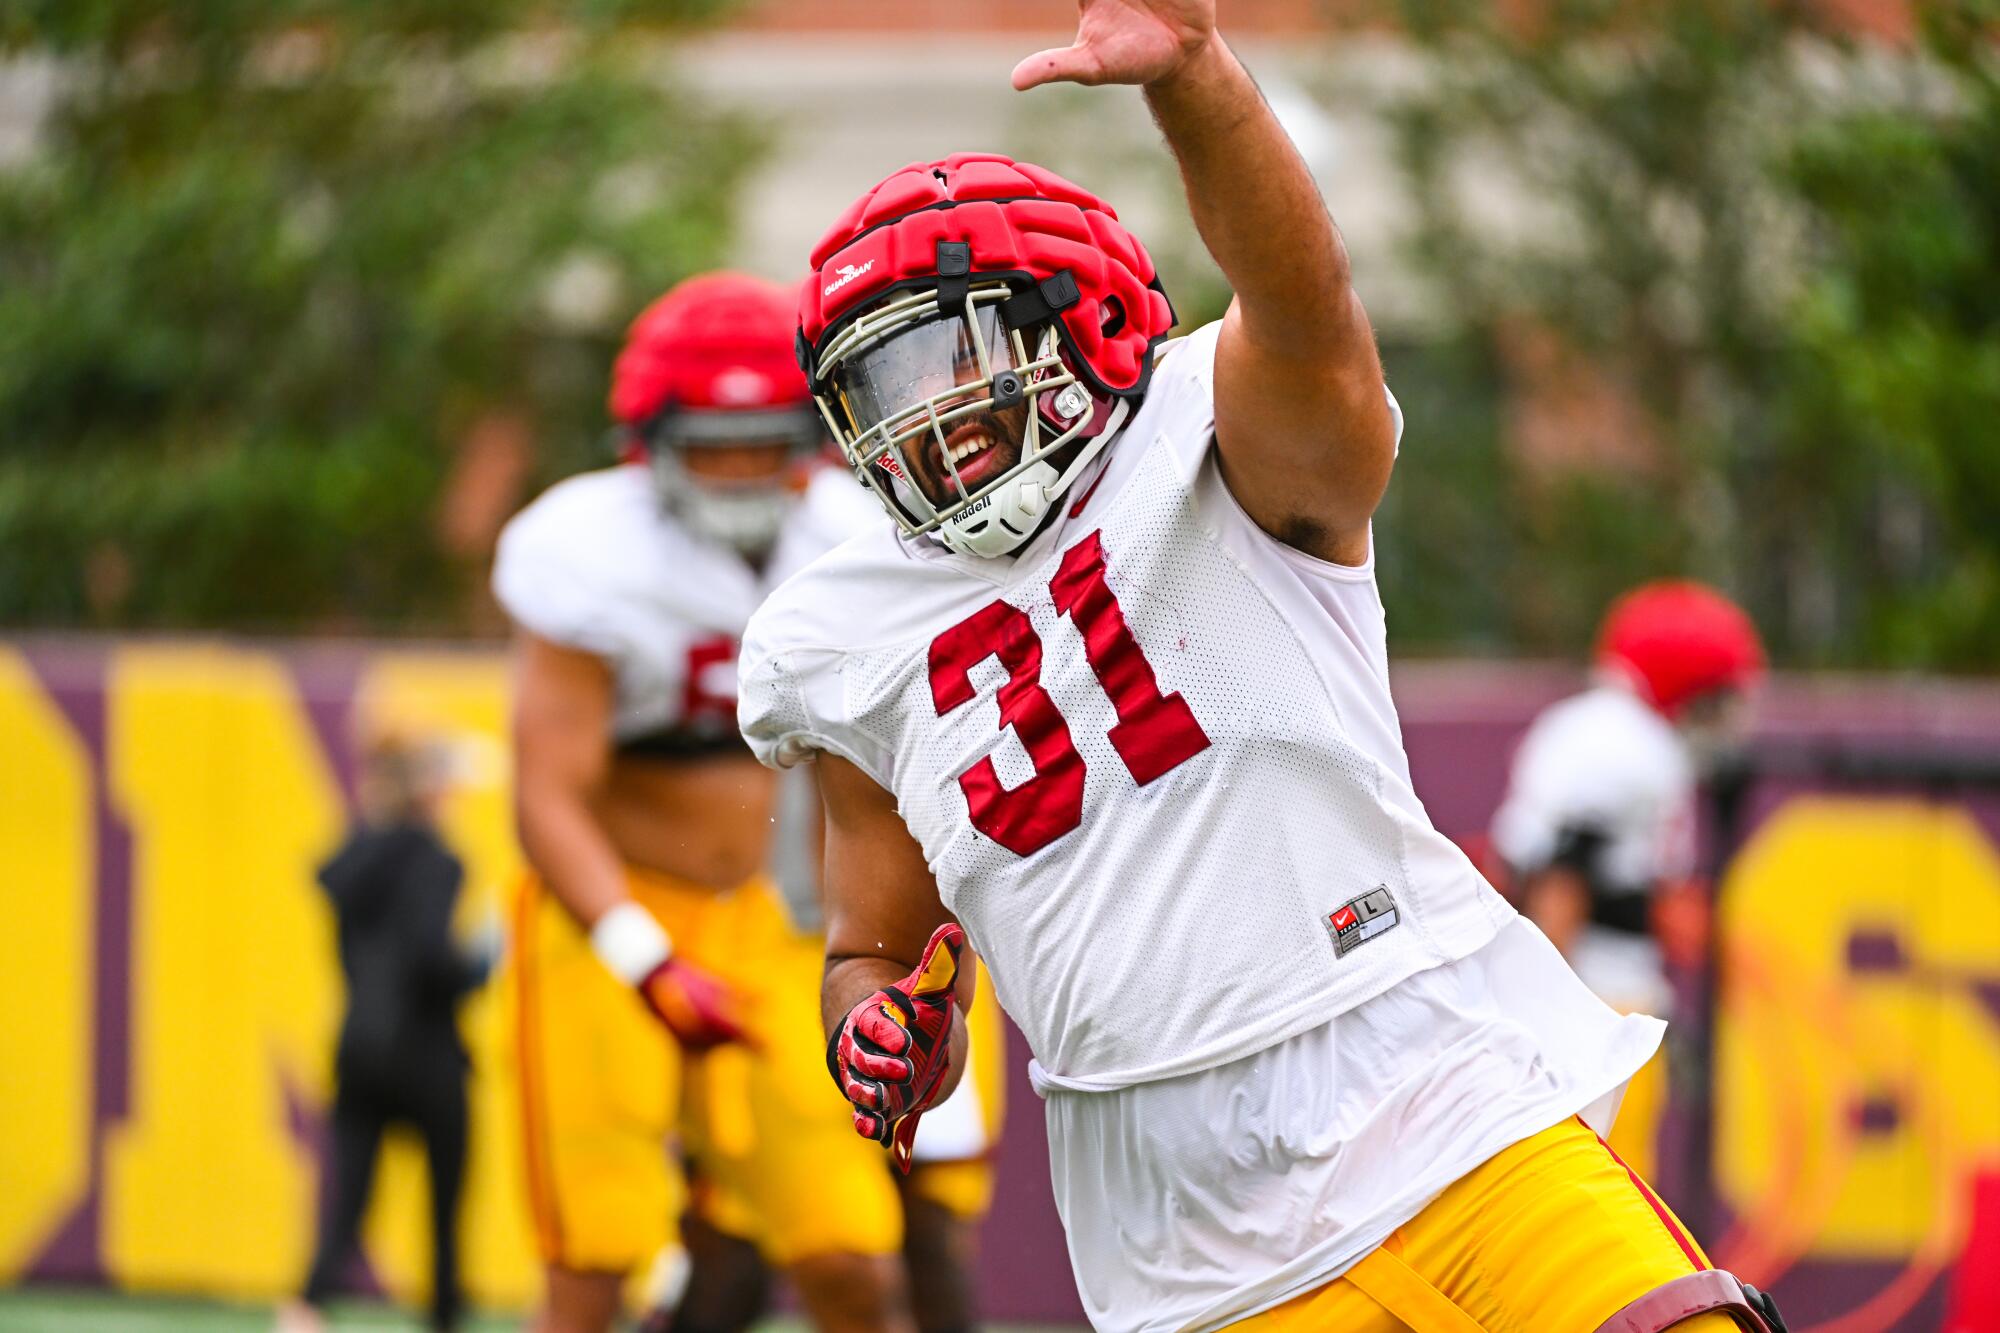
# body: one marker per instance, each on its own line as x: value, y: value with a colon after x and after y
x: 1302, y: 424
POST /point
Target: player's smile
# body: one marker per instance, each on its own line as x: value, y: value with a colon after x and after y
x: 980, y: 447
x: 974, y: 450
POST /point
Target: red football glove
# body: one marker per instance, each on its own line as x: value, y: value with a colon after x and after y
x: 891, y: 1052
x: 697, y: 1008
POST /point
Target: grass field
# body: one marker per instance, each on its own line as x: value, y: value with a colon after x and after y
x: 55, y: 1310
x: 51, y: 1310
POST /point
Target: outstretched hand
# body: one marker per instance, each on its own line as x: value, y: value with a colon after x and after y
x: 1123, y: 41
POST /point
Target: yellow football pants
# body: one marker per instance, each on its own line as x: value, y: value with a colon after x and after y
x: 604, y: 1090
x: 1554, y: 1235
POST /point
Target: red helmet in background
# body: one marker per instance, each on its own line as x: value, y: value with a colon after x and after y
x: 1676, y: 640
x: 718, y: 342
x: 710, y: 364
x: 959, y: 290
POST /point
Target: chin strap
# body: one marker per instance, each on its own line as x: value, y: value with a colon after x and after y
x: 1019, y: 507
x: 1010, y: 515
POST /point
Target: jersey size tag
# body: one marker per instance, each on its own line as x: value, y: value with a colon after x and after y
x: 1361, y: 919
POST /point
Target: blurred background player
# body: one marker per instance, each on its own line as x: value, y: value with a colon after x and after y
x: 1597, y: 828
x: 648, y: 826
x: 393, y: 885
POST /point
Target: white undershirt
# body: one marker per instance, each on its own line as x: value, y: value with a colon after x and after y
x: 1194, y: 1201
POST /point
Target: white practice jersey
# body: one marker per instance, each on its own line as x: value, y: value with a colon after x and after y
x: 1152, y: 760
x: 1155, y: 767
x: 597, y: 564
x: 1605, y: 763
x: 1192, y: 1202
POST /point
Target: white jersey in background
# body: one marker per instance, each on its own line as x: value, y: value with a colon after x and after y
x: 1605, y: 765
x: 1605, y: 762
x: 598, y: 565
x: 1154, y: 765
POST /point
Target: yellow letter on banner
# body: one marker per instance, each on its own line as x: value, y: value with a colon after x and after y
x: 235, y: 983
x: 45, y: 974
x: 1858, y: 1044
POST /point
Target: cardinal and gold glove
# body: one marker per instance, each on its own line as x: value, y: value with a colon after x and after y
x: 890, y: 1054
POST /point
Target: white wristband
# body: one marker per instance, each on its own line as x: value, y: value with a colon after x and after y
x: 629, y: 942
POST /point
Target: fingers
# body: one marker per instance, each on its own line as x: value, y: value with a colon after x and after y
x: 866, y: 1093
x: 876, y: 1065
x: 879, y: 1055
x: 730, y: 1023
x: 699, y: 1010
x: 674, y: 1005
x: 875, y: 1103
x: 715, y: 1004
x: 1061, y: 64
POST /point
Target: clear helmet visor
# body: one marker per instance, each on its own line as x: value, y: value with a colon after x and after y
x: 927, y: 362
x: 950, y: 415
x: 923, y: 409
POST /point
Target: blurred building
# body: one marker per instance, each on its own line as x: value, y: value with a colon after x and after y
x: 857, y: 88
x: 860, y: 87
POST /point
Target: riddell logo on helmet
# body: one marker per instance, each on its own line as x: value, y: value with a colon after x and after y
x: 848, y: 273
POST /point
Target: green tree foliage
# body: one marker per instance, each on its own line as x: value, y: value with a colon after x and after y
x: 1779, y: 246
x: 1897, y: 359
x: 271, y: 260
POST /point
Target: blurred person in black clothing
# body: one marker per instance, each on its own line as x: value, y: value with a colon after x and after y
x: 393, y: 885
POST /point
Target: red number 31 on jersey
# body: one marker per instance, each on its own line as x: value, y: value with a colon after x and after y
x: 1155, y: 732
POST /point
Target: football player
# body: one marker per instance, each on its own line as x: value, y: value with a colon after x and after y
x: 1110, y: 702
x: 1597, y: 825
x: 656, y: 967
x: 1600, y: 805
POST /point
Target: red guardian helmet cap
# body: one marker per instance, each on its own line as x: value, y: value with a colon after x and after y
x: 963, y: 307
x: 1675, y: 641
x: 710, y: 365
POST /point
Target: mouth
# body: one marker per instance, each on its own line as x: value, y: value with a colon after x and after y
x: 973, y: 450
